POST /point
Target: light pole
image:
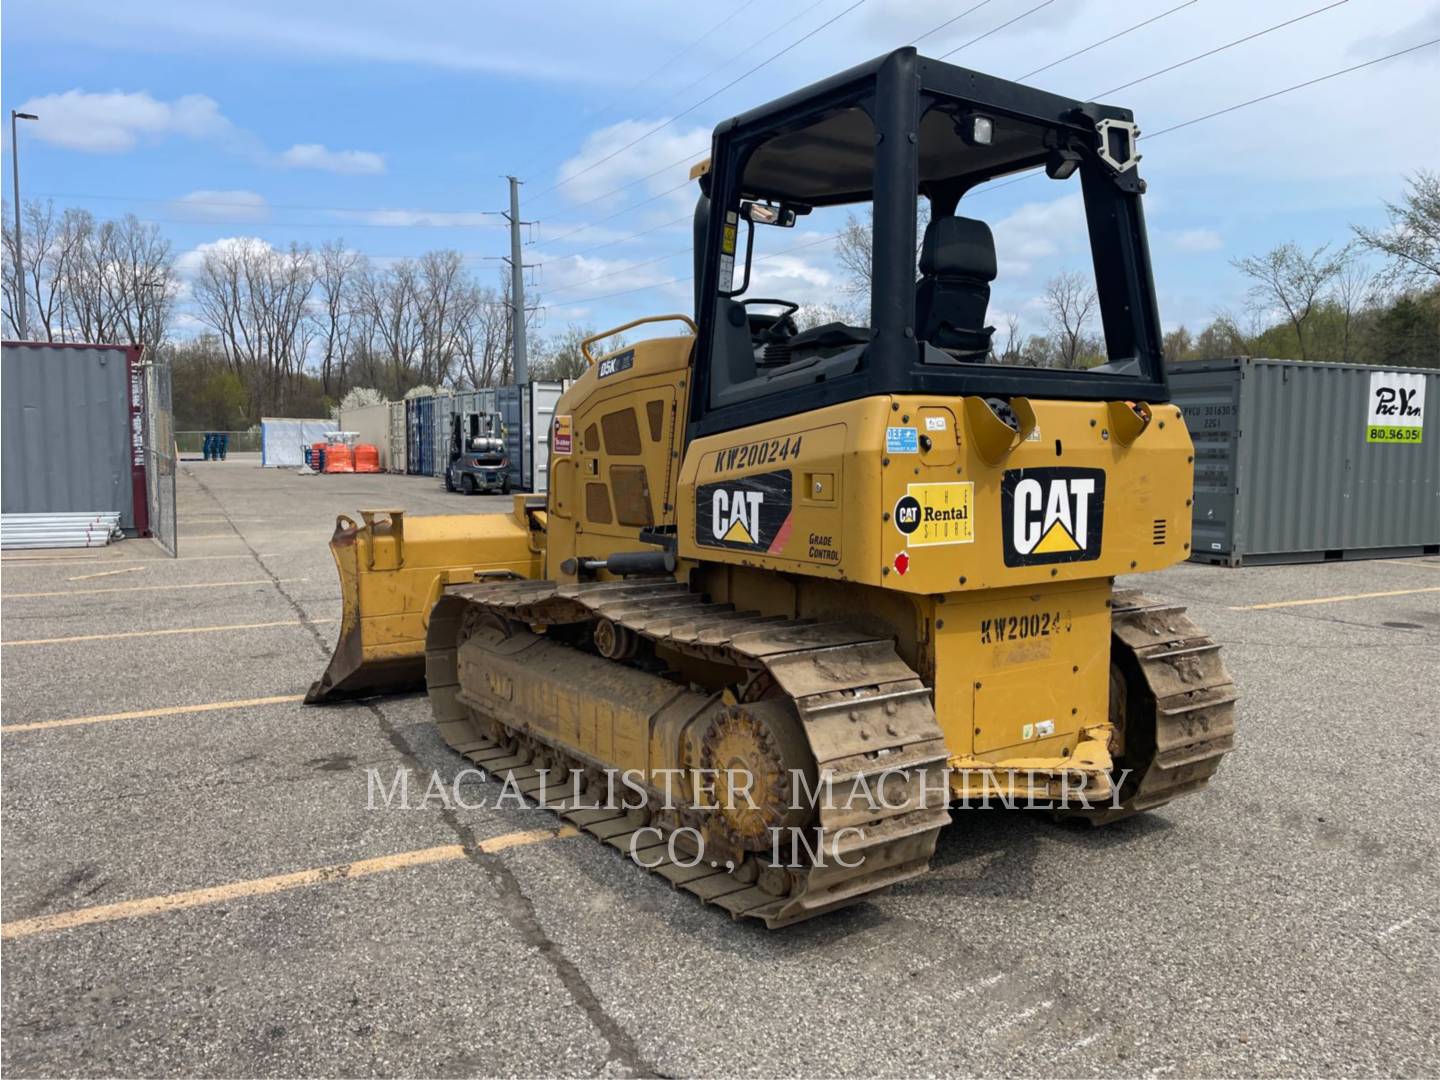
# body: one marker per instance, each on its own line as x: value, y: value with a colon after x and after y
x: 20, y: 301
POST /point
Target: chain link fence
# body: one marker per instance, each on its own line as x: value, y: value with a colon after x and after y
x: 160, y: 454
x: 193, y: 442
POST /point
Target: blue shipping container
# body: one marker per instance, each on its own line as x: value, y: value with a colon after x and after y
x: 420, y: 436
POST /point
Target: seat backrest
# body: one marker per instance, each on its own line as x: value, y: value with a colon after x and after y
x: 957, y: 264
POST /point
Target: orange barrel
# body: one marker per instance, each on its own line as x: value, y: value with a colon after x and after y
x: 317, y: 456
x: 367, y: 458
x: 339, y: 458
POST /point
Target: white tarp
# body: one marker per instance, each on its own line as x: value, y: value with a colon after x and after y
x: 283, y: 439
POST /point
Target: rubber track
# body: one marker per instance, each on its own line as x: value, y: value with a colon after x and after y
x: 865, y: 713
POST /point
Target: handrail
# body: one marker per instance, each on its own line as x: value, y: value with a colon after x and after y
x: 585, y: 345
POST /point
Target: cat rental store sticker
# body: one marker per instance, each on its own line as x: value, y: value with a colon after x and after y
x: 929, y: 515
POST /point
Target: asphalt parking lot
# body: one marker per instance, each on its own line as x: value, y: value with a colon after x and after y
x: 266, y: 922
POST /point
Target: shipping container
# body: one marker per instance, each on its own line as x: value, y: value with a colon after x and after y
x: 372, y: 424
x: 446, y: 406
x: 73, y: 431
x: 398, y: 454
x: 527, y: 412
x: 1307, y: 462
x: 420, y: 436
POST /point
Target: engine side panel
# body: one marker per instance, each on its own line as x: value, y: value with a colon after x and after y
x: 897, y: 492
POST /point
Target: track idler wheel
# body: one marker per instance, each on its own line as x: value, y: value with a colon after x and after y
x: 615, y: 642
x: 752, y: 754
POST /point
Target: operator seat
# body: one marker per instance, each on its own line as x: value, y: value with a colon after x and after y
x: 957, y: 264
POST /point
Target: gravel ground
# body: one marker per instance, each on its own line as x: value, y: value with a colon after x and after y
x: 1281, y: 924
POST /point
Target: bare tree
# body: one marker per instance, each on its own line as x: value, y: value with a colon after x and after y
x: 561, y: 356
x: 1177, y: 345
x: 391, y: 299
x: 1010, y: 354
x: 1412, y: 242
x: 256, y: 299
x: 855, y: 251
x: 484, y: 339
x: 443, y: 297
x: 141, y: 281
x: 336, y: 270
x: 1354, y: 286
x: 1071, y: 301
x: 1289, y: 279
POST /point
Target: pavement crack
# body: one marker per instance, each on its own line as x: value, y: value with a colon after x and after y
x: 515, y: 905
x: 321, y: 640
x: 519, y: 911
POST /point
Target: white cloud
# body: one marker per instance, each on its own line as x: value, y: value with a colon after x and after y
x: 320, y: 156
x: 1039, y: 236
x: 221, y: 206
x: 113, y: 122
x: 188, y: 264
x: 1197, y: 240
x: 606, y: 161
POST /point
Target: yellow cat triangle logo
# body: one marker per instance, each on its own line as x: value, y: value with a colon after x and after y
x: 738, y: 534
x: 1058, y: 539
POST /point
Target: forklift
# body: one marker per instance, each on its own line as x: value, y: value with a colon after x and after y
x: 478, y: 461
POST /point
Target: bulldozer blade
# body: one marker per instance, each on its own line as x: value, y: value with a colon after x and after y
x: 392, y: 571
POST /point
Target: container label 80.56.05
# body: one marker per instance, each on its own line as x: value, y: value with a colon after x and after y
x: 1397, y: 407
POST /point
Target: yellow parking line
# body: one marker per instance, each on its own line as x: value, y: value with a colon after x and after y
x: 145, y: 714
x: 162, y: 633
x: 180, y: 901
x: 159, y: 560
x: 148, y: 588
x: 106, y: 573
x: 1335, y: 599
x: 1412, y: 562
x: 183, y: 538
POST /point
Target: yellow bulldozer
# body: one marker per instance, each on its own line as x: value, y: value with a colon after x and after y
x: 866, y: 570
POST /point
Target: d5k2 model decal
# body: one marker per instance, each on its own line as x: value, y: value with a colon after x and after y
x: 748, y: 513
x: 1052, y: 515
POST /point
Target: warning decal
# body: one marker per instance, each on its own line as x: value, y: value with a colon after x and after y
x: 560, y: 440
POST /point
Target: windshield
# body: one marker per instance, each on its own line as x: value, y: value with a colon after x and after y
x: 1002, y: 245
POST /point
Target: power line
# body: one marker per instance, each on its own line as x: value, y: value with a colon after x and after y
x: 1106, y: 41
x: 996, y: 30
x: 1297, y: 86
x: 571, y: 286
x: 826, y: 239
x: 687, y: 157
x: 622, y: 239
x: 709, y: 97
x: 626, y: 186
x: 947, y: 22
x: 927, y: 33
x: 1026, y: 176
x: 618, y: 213
x: 1219, y: 49
x: 647, y: 79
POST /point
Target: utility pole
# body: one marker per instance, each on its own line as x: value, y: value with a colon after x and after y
x: 21, y: 303
x: 521, y: 366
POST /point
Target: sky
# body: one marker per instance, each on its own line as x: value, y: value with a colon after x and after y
x: 393, y: 127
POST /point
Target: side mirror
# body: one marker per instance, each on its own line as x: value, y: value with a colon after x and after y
x: 768, y: 214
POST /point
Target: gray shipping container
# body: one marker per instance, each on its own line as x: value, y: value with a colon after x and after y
x: 73, y: 431
x: 1306, y: 462
x: 396, y: 460
x: 527, y: 412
